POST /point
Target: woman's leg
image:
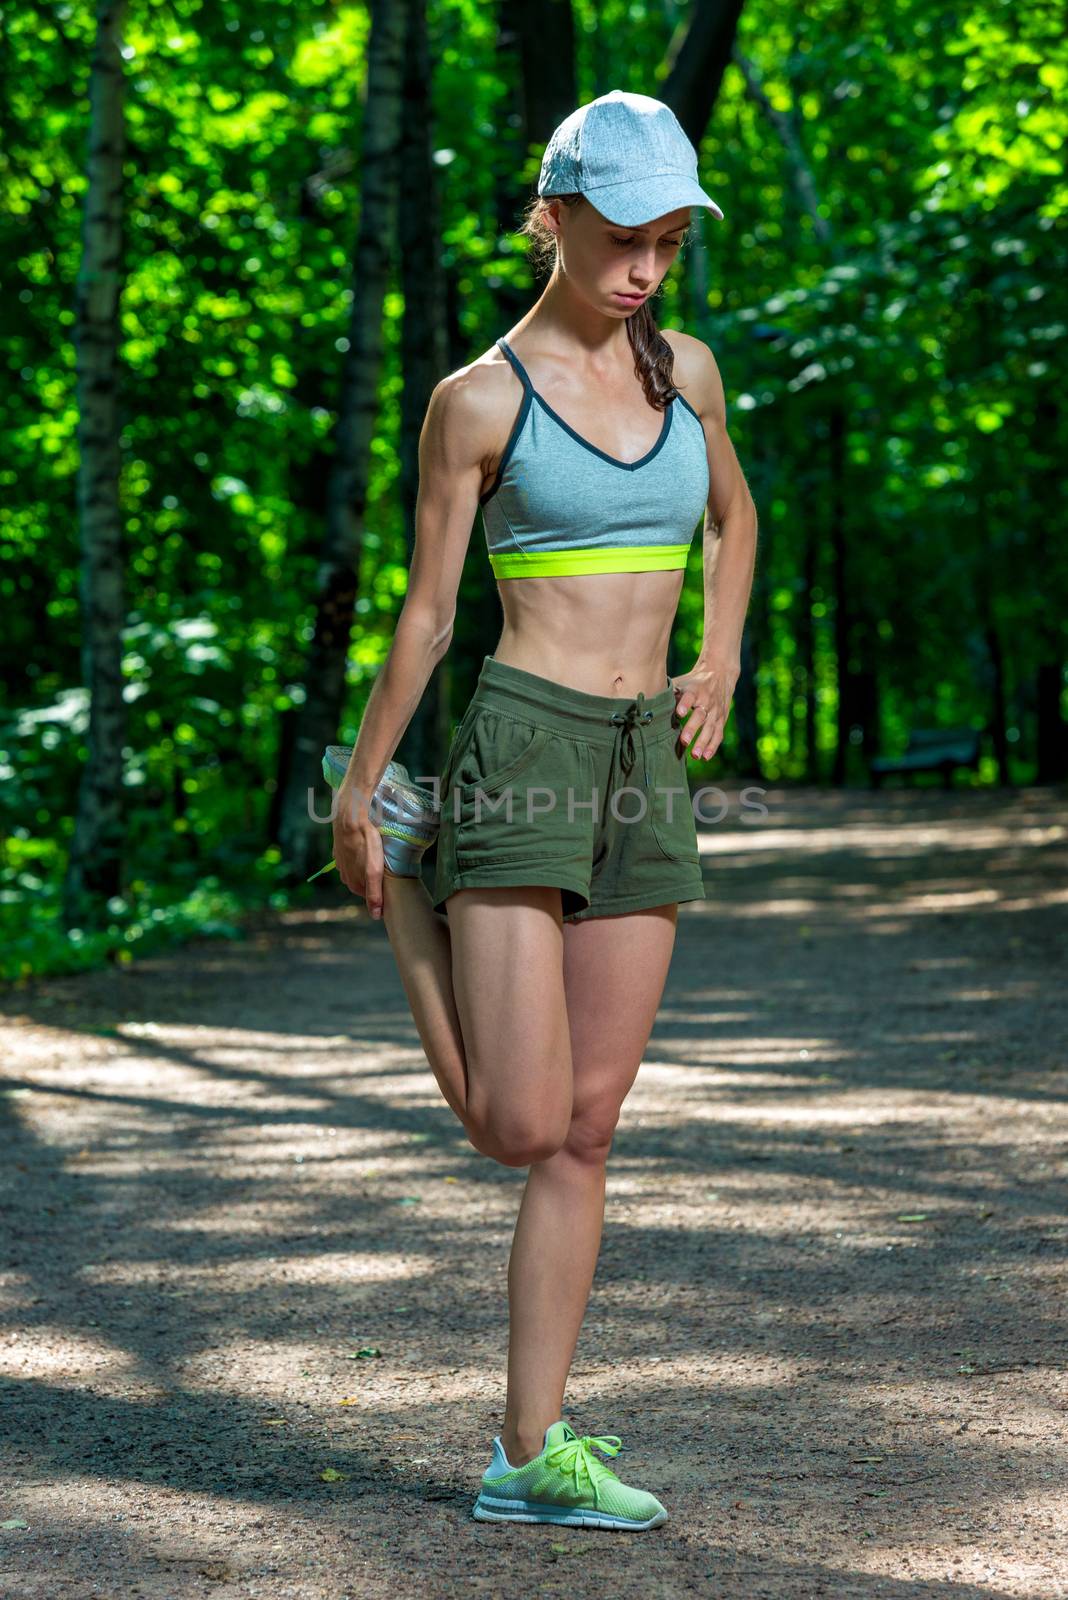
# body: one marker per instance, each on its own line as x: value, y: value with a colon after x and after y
x: 422, y: 948
x: 487, y: 994
x: 614, y: 974
x: 535, y: 1030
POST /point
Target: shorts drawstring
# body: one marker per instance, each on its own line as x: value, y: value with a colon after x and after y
x: 634, y: 716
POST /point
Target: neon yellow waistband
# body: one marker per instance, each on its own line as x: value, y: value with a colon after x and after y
x: 561, y: 563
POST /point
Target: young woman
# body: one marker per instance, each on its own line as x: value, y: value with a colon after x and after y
x: 535, y: 970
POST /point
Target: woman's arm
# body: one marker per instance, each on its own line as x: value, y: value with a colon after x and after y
x: 457, y: 437
x: 729, y: 554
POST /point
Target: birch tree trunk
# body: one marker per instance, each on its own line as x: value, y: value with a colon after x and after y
x: 94, y: 870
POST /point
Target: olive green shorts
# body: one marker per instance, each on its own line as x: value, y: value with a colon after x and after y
x: 544, y: 784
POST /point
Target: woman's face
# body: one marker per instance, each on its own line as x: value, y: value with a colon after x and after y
x: 613, y: 267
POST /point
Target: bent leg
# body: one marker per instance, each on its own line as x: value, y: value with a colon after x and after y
x: 486, y: 991
x: 614, y: 974
x: 422, y: 948
x: 507, y: 978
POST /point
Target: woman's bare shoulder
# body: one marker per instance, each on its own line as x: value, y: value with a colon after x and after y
x: 468, y: 407
x: 696, y: 372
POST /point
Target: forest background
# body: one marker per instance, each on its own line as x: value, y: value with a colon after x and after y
x: 240, y: 245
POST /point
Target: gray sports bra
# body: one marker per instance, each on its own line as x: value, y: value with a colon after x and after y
x: 558, y: 504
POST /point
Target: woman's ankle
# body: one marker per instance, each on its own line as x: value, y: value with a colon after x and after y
x: 522, y: 1448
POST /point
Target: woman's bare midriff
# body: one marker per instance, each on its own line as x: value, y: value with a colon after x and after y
x: 604, y: 633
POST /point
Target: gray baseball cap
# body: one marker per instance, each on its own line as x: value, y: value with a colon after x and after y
x: 629, y: 156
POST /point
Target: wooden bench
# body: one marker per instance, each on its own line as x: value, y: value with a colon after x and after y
x: 932, y: 750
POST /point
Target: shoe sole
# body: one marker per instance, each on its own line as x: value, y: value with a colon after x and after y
x: 492, y: 1509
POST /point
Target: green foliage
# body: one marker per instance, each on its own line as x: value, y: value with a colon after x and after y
x: 918, y: 311
x: 148, y: 917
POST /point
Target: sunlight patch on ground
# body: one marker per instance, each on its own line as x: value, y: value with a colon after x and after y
x: 333, y: 1268
x: 64, y: 1356
x: 900, y: 839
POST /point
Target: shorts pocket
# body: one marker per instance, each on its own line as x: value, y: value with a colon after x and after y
x: 496, y: 750
x: 455, y: 747
x: 673, y: 822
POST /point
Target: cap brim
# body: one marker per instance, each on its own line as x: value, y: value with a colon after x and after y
x: 629, y: 205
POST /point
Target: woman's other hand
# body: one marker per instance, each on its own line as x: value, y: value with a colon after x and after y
x: 705, y: 694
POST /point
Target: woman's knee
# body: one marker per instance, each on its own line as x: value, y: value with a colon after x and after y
x: 515, y: 1139
x: 590, y: 1134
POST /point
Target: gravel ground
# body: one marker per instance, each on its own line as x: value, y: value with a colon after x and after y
x: 253, y: 1274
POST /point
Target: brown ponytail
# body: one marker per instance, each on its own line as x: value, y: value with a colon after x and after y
x: 653, y: 356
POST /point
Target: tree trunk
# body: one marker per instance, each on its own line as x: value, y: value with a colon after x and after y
x: 1051, y: 737
x: 528, y: 36
x: 1052, y: 746
x: 856, y: 701
x: 998, y: 720
x: 698, y: 58
x: 424, y: 344
x: 842, y: 621
x: 544, y: 31
x: 346, y: 494
x: 94, y: 871
x: 747, y: 761
x: 806, y: 643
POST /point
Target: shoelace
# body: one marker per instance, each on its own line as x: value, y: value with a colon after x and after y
x: 628, y: 720
x: 576, y: 1457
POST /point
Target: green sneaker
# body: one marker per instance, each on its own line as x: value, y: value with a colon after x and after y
x: 566, y: 1483
x: 405, y: 814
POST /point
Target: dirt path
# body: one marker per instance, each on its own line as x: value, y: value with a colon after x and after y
x: 829, y: 1317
